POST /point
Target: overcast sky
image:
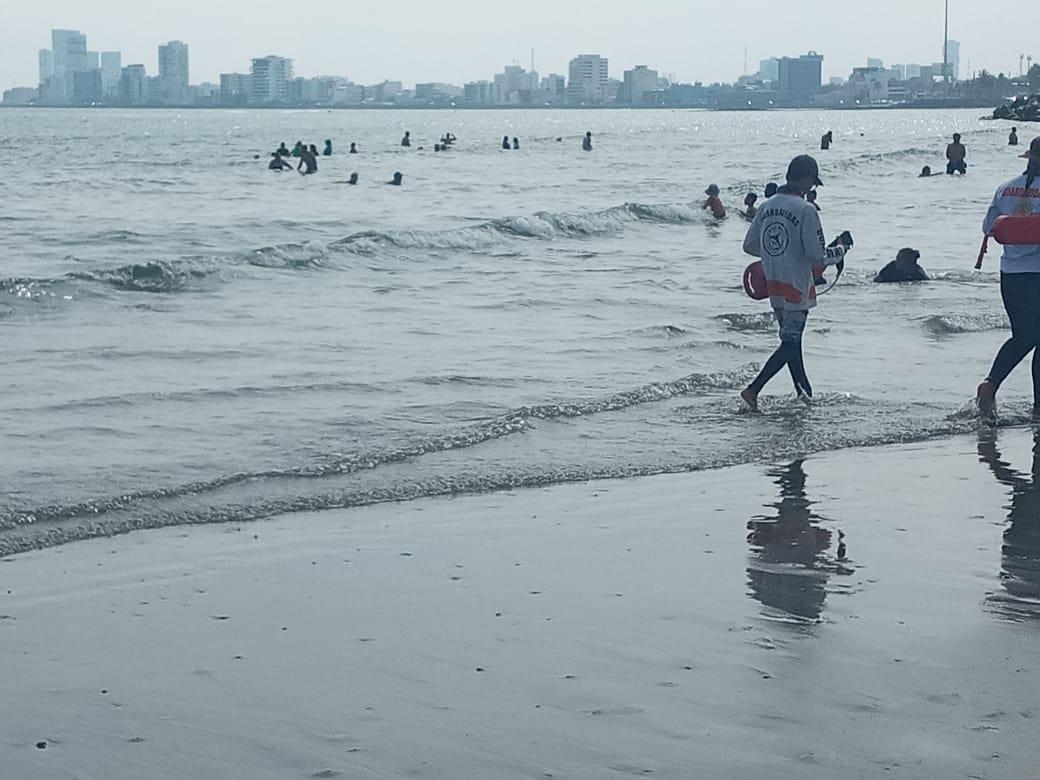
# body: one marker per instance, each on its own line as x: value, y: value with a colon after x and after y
x: 465, y: 40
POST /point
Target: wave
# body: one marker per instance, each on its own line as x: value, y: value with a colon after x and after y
x: 195, y: 273
x: 760, y: 321
x: 952, y: 324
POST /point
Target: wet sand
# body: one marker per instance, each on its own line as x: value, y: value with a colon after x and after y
x: 869, y: 613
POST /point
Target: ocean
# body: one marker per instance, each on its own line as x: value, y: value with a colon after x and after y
x: 188, y: 338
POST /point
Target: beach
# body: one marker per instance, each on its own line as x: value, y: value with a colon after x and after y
x: 862, y: 613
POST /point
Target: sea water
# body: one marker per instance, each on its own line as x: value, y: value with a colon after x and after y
x: 186, y: 337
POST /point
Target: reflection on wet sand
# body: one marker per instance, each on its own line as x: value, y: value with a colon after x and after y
x: 1020, y: 553
x: 790, y: 560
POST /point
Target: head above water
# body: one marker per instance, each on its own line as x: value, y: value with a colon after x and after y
x: 771, y: 189
x: 353, y: 178
x: 908, y: 256
x: 750, y: 199
x: 712, y: 191
x: 926, y: 170
x: 803, y: 173
x: 956, y: 138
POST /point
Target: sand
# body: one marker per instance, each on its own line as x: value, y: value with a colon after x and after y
x: 602, y: 630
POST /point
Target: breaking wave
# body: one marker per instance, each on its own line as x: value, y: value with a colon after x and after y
x: 952, y: 324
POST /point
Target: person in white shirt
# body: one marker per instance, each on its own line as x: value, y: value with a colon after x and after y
x: 1019, y: 284
x: 788, y: 237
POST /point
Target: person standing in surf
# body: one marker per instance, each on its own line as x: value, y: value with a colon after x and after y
x: 787, y: 236
x: 1019, y: 284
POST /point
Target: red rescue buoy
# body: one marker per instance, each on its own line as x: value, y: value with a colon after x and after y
x: 1013, y: 231
x: 1017, y: 230
x: 755, y: 284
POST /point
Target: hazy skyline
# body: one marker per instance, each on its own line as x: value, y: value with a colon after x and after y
x: 465, y: 40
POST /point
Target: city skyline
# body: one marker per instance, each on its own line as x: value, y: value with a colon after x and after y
x: 425, y: 49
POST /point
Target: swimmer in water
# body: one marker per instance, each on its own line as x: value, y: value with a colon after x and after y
x: 407, y: 140
x: 277, y: 163
x: 505, y: 143
x: 516, y: 143
x: 283, y: 150
x: 298, y: 149
x: 396, y: 181
x: 903, y: 269
x: 353, y: 179
x: 827, y: 140
x: 586, y: 144
x: 750, y: 210
x: 1013, y: 137
x: 926, y: 171
x: 771, y: 189
x: 955, y: 154
x: 327, y: 151
x: 308, y: 161
x: 353, y: 148
x: 714, y: 203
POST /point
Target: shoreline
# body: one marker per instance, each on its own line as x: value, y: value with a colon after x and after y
x: 856, y: 612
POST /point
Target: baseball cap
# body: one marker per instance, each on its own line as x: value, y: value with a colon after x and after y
x: 1034, y: 148
x: 802, y: 167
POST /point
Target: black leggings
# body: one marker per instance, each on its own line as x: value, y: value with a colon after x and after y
x: 792, y: 325
x: 1021, y: 294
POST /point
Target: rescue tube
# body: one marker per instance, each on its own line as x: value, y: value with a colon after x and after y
x: 1012, y: 231
x: 1017, y: 230
x: 755, y: 284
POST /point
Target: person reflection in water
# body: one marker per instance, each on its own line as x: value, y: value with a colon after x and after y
x: 1020, y: 553
x: 789, y: 563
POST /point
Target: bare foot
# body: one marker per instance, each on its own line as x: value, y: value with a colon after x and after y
x: 987, y: 399
x: 751, y: 399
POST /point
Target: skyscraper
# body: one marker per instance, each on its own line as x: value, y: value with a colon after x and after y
x: 111, y: 67
x: 589, y: 80
x: 133, y: 86
x: 69, y: 56
x: 269, y: 80
x: 173, y: 72
x: 46, y: 66
x: 801, y: 78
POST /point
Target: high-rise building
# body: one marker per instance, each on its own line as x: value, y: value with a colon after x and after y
x: 516, y: 85
x: 801, y: 77
x: 769, y: 70
x: 234, y: 88
x: 638, y: 82
x: 874, y: 62
x: 270, y: 78
x: 69, y: 49
x: 173, y: 72
x: 86, y: 87
x: 111, y: 69
x: 46, y: 66
x: 133, y: 86
x: 589, y: 80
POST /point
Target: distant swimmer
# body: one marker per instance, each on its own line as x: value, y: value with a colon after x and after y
x: 586, y: 143
x: 283, y: 150
x: 714, y: 203
x: 436, y: 147
x: 750, y: 210
x: 353, y: 148
x: 1013, y: 138
x: 926, y: 171
x: 1019, y: 283
x: 903, y: 269
x: 327, y: 151
x: 516, y: 143
x: 771, y: 189
x: 407, y: 140
x: 811, y: 197
x: 955, y: 155
x: 788, y: 238
x: 313, y: 150
x: 397, y: 180
x: 353, y: 179
x: 827, y: 140
x: 505, y: 143
x: 277, y: 163
x: 308, y: 161
x: 298, y: 149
